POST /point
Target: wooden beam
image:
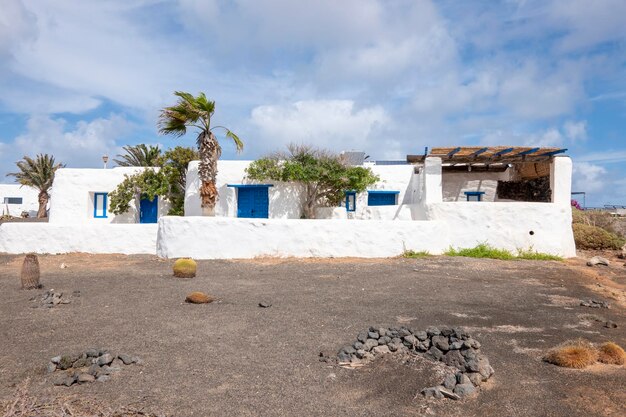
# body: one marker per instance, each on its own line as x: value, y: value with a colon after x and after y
x: 478, y: 152
x: 552, y: 153
x: 453, y: 151
x: 528, y: 152
x: 503, y: 151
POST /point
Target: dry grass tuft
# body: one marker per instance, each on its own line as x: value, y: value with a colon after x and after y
x: 24, y: 404
x: 198, y: 297
x: 185, y: 268
x: 576, y: 354
x: 611, y: 353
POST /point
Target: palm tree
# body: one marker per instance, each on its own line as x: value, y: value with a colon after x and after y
x: 38, y: 173
x: 196, y: 112
x: 139, y: 156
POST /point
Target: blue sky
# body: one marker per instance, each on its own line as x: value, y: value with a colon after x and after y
x: 82, y: 78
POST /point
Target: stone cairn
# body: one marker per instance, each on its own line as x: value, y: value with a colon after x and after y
x: 51, y: 298
x: 88, y: 366
x: 452, y: 346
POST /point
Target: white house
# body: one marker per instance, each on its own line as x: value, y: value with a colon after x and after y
x: 81, y: 197
x: 511, y: 198
x: 16, y: 199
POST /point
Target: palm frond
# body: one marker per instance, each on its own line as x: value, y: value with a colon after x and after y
x: 139, y: 156
x: 37, y: 173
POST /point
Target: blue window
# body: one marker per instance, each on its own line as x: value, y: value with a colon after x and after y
x: 100, y: 205
x: 382, y: 198
x: 350, y: 200
x: 252, y: 200
x: 474, y: 195
x: 13, y: 200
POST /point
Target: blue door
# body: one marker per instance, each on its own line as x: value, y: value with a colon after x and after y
x: 253, y: 202
x: 148, y: 210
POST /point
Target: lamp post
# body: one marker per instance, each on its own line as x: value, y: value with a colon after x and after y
x: 105, y: 159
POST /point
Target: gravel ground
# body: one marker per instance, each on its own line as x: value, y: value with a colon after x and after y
x: 233, y: 358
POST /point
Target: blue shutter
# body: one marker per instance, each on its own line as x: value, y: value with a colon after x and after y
x: 382, y: 198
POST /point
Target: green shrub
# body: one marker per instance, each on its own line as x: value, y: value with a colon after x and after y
x: 531, y: 255
x: 481, y: 251
x: 486, y: 251
x: 595, y: 238
x: 415, y: 254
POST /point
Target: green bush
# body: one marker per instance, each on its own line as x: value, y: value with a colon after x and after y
x: 595, y: 238
x: 481, y: 251
x: 486, y: 251
x: 531, y: 255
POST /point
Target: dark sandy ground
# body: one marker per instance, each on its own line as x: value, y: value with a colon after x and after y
x: 232, y: 358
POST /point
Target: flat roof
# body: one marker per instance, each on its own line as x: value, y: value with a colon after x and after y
x: 489, y: 154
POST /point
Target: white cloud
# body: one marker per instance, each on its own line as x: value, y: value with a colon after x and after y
x: 81, y: 145
x: 332, y: 124
x: 16, y: 26
x: 589, y: 178
x: 575, y: 131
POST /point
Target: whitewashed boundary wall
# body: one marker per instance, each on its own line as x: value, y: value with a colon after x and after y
x: 52, y: 238
x: 224, y: 238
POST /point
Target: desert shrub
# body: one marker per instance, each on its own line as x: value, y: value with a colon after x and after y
x: 595, y: 238
x: 198, y: 297
x: 530, y: 254
x: 611, y: 353
x: 415, y: 254
x: 483, y: 250
x: 185, y: 268
x: 573, y: 354
x: 600, y: 219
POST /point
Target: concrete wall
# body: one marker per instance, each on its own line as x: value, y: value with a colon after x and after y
x: 73, y: 199
x: 455, y: 184
x: 224, y: 238
x: 65, y: 238
x: 285, y: 200
x: 30, y: 200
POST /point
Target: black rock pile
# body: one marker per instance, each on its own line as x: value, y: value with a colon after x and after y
x: 452, y: 346
x: 52, y: 298
x: 594, y: 303
x: 88, y: 366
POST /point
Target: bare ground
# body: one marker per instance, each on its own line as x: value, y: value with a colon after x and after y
x: 233, y: 358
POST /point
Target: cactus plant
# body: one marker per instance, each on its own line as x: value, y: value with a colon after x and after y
x: 30, y: 272
x: 198, y: 297
x: 185, y: 268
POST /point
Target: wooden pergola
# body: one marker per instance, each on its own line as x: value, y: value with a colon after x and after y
x: 488, y: 155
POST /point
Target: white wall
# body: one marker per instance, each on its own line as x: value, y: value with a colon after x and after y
x: 285, y: 200
x: 508, y: 225
x: 224, y: 238
x: 456, y: 183
x: 90, y: 238
x: 72, y: 201
x: 30, y: 200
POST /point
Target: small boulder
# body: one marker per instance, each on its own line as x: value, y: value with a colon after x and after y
x: 126, y: 359
x: 380, y: 350
x: 434, y: 353
x: 105, y: 359
x: 449, y: 381
x: 441, y: 343
x: 198, y: 297
x: 85, y: 377
x: 598, y: 260
x: 465, y: 390
x: 369, y: 344
x: 432, y: 392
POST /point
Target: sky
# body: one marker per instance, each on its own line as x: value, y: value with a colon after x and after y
x: 80, y: 79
